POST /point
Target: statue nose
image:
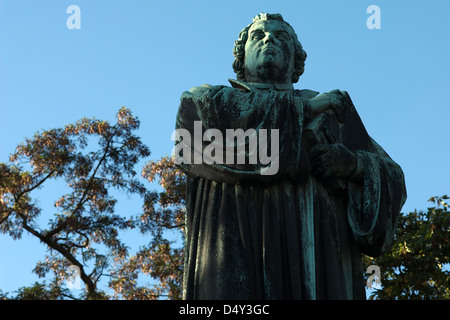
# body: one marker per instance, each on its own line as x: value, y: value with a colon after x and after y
x: 269, y: 38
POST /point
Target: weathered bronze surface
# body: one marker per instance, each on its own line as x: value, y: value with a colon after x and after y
x: 298, y: 233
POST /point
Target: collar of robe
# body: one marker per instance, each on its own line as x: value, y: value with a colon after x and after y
x: 247, y: 86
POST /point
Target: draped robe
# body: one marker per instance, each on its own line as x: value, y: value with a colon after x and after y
x: 287, y: 235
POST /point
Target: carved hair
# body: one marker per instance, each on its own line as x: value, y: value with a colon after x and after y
x: 239, y: 48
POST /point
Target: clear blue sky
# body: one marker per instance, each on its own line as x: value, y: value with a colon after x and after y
x: 144, y: 54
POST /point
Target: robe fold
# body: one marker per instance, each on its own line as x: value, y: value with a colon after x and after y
x: 286, y: 235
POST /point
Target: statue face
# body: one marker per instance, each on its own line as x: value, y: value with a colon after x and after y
x: 269, y: 52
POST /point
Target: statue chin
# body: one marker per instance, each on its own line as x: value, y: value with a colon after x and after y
x: 269, y: 72
x: 268, y: 69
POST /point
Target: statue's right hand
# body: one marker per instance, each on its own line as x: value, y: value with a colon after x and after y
x: 332, y: 100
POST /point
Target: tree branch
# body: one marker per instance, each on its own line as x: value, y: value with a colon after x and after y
x: 90, y: 285
x: 35, y: 186
x: 63, y: 225
x: 173, y: 263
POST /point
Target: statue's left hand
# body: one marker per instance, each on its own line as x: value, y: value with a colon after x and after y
x: 332, y: 160
x: 332, y: 100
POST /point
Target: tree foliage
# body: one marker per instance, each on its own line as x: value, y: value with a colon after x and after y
x: 417, y: 267
x: 41, y: 291
x: 84, y: 231
x: 93, y: 158
x: 161, y: 258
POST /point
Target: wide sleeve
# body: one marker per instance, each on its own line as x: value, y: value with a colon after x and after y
x: 376, y: 191
x: 376, y: 195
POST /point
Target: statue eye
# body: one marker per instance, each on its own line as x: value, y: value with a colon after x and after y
x: 283, y: 35
x: 257, y: 35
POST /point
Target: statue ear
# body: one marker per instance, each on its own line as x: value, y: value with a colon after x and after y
x: 238, y: 68
x: 299, y: 66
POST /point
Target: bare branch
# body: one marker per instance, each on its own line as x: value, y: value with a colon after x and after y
x: 36, y: 186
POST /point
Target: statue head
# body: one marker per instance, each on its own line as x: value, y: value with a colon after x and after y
x: 268, y: 50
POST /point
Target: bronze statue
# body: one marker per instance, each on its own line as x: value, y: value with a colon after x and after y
x: 293, y: 228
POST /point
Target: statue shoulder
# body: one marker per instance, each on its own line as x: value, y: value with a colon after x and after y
x: 309, y: 94
x: 306, y: 93
x: 201, y: 90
